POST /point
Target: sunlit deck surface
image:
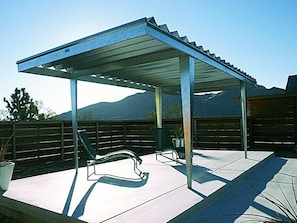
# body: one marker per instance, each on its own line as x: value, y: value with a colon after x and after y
x: 225, y: 185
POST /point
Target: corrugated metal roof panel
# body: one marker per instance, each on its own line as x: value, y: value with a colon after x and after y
x: 141, y: 55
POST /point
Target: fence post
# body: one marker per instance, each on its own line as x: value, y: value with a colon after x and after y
x: 295, y: 123
x: 38, y: 137
x: 195, y: 133
x: 125, y: 135
x: 14, y: 142
x: 97, y: 135
x: 251, y: 133
x: 62, y: 141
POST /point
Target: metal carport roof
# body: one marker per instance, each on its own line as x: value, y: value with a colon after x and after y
x: 140, y: 55
x: 147, y: 56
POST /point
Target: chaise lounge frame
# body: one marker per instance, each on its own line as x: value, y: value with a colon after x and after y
x: 163, y: 142
x: 98, y: 159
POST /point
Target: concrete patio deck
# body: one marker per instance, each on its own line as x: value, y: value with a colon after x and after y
x: 220, y: 180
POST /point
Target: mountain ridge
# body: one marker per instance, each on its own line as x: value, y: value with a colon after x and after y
x: 134, y: 107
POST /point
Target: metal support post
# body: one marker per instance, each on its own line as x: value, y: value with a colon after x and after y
x: 73, y: 87
x: 158, y: 98
x: 187, y: 72
x: 244, y: 117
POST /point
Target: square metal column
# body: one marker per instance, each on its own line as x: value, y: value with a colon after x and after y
x: 243, y: 117
x: 158, y: 99
x: 73, y: 89
x: 187, y: 72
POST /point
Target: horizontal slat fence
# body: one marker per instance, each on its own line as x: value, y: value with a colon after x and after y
x: 271, y: 133
x: 273, y: 122
x: 38, y: 140
x: 47, y: 141
x: 218, y: 133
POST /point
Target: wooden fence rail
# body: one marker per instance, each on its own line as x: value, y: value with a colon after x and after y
x: 273, y: 121
x: 47, y: 140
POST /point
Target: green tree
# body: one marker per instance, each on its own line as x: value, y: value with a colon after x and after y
x: 172, y: 111
x: 21, y: 107
x: 45, y: 113
x: 3, y: 114
x: 83, y: 116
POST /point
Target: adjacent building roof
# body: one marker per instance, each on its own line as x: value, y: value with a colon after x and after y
x: 291, y: 84
x: 141, y: 55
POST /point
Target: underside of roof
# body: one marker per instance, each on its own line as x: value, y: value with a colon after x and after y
x: 140, y: 55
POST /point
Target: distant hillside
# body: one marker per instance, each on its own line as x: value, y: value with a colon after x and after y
x: 134, y: 107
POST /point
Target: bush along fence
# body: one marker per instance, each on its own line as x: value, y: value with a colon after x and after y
x: 47, y: 140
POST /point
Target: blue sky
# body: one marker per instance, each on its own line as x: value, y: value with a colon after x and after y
x: 257, y: 36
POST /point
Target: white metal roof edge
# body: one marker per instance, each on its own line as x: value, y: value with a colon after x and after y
x: 144, y: 26
x: 84, y: 45
x: 84, y: 39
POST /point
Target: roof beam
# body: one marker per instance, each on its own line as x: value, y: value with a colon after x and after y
x: 129, y: 62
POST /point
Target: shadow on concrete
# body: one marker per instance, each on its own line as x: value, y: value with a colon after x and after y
x: 69, y: 197
x: 200, y: 174
x: 80, y: 208
x: 195, y: 153
x: 236, y: 202
x: 107, y: 179
x: 124, y: 182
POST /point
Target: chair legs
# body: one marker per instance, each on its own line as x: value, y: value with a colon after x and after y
x: 89, y: 164
x: 136, y: 170
x: 93, y: 163
x: 174, y: 155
